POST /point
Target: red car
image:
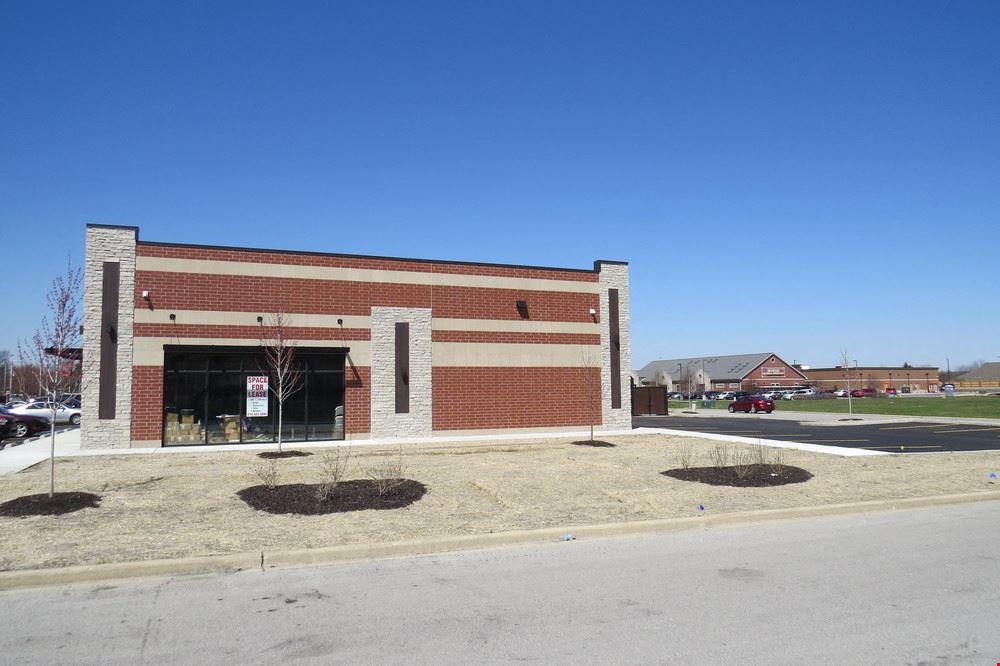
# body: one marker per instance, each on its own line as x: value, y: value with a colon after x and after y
x: 752, y: 404
x: 864, y: 393
x: 23, y: 425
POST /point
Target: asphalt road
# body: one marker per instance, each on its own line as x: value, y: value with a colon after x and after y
x: 905, y: 437
x: 905, y: 587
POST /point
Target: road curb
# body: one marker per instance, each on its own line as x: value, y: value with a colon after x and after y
x: 262, y: 561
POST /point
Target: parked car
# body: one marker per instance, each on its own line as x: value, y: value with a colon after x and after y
x: 5, y: 422
x: 864, y: 393
x: 676, y: 395
x: 726, y: 395
x: 840, y: 393
x: 890, y: 391
x: 22, y: 425
x: 751, y: 404
x: 43, y: 409
x: 800, y: 393
x: 947, y: 387
x: 772, y: 394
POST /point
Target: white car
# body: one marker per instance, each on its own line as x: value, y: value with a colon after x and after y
x: 801, y: 393
x: 726, y: 395
x: 841, y: 393
x: 43, y: 409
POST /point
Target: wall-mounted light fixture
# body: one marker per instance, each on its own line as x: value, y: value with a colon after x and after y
x: 340, y: 322
x: 173, y: 317
x: 593, y: 312
x: 145, y: 295
x: 260, y: 320
x: 522, y: 308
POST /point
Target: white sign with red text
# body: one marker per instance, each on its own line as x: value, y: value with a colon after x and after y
x: 257, y: 396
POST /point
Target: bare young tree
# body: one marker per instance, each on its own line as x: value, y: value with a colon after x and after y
x: 592, y: 386
x: 51, y: 350
x: 282, y: 367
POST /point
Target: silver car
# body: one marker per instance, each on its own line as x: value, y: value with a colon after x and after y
x: 43, y: 409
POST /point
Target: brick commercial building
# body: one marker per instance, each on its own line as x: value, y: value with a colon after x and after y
x: 387, y: 347
x: 913, y: 379
x: 742, y: 372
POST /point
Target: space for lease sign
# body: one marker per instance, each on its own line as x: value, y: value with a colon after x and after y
x: 257, y: 396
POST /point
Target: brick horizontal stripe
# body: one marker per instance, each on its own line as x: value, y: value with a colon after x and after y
x: 144, y: 315
x: 508, y: 337
x: 241, y: 293
x: 149, y: 350
x: 300, y: 334
x: 358, y: 275
x: 246, y: 256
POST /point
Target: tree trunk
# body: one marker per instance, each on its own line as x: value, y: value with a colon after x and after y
x: 52, y: 454
x: 281, y: 414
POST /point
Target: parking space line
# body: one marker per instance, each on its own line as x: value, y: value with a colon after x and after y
x: 948, y: 432
x: 843, y: 440
x: 904, y: 446
x: 908, y: 427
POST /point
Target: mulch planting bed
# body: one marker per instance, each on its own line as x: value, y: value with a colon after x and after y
x: 356, y: 495
x: 753, y: 476
x: 594, y: 442
x: 43, y: 505
x: 278, y: 455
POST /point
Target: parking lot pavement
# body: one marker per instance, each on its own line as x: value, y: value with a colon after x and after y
x: 896, y: 436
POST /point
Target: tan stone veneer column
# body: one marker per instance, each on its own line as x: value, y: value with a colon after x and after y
x: 108, y: 244
x: 385, y: 421
x: 614, y: 275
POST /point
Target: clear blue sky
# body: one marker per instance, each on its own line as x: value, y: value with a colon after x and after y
x: 797, y: 177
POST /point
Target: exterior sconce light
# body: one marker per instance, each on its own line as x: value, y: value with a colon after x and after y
x: 173, y: 317
x: 593, y: 312
x: 145, y: 295
x: 522, y: 308
x: 260, y: 319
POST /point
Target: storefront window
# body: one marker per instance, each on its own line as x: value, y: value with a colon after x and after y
x: 211, y: 395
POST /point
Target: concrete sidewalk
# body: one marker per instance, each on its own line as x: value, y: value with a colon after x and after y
x: 832, y: 419
x: 22, y: 454
x: 19, y: 456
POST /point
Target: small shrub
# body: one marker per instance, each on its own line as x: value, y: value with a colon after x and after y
x: 720, y: 456
x: 387, y: 474
x: 766, y: 455
x: 686, y: 453
x: 333, y: 467
x: 743, y: 463
x: 266, y: 472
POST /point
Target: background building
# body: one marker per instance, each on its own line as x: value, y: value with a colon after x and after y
x: 905, y: 379
x: 742, y: 372
x: 986, y: 376
x: 388, y: 347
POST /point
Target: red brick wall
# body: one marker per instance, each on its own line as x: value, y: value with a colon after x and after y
x: 240, y: 293
x: 463, y: 398
x: 467, y: 398
x: 357, y: 399
x: 147, y: 402
x: 791, y: 375
x: 368, y: 263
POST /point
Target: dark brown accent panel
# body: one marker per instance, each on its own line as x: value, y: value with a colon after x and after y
x: 402, y: 368
x: 616, y: 350
x: 108, y: 382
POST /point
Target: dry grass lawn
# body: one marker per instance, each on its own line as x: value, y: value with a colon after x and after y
x: 171, y: 505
